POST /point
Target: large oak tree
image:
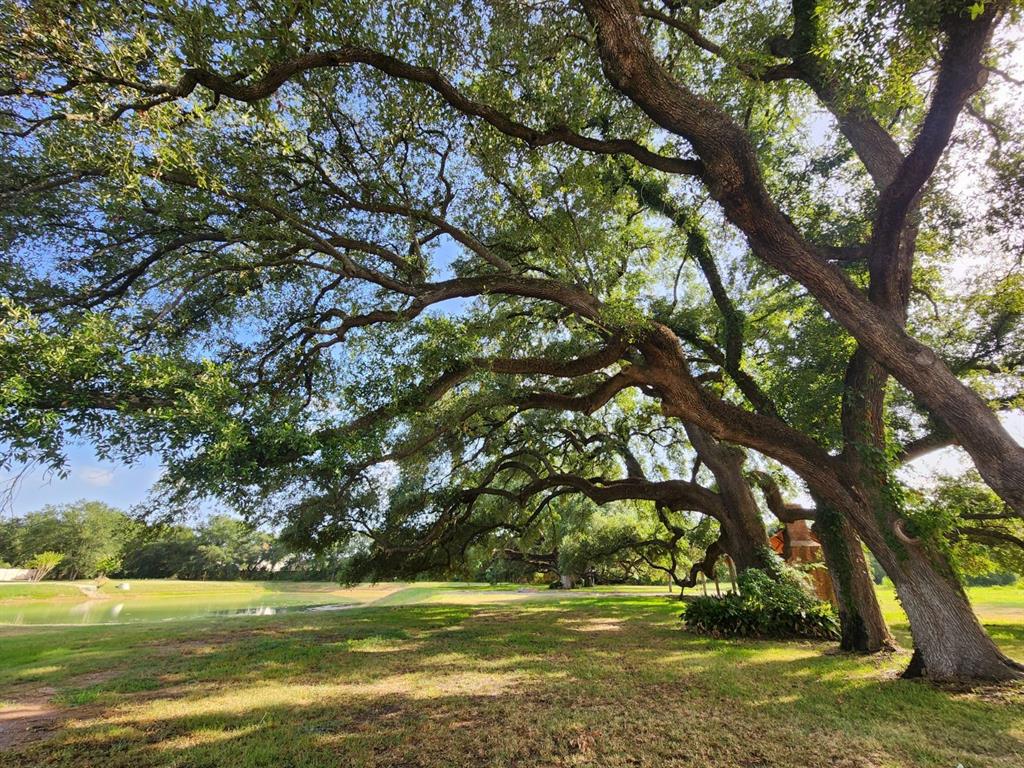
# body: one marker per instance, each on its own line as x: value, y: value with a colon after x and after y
x: 285, y: 242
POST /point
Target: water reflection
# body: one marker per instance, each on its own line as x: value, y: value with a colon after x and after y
x: 127, y: 612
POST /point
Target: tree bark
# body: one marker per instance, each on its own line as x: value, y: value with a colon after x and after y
x: 851, y: 489
x: 860, y: 617
x: 949, y: 641
x: 861, y: 622
x: 745, y: 538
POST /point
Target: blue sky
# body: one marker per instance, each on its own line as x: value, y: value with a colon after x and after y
x: 116, y: 484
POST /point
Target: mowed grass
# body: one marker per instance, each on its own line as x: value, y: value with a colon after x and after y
x: 86, y: 602
x: 457, y: 677
x: 45, y: 590
x: 315, y: 591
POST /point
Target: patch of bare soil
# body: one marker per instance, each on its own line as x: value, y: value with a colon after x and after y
x: 1011, y: 692
x: 92, y: 678
x: 30, y: 718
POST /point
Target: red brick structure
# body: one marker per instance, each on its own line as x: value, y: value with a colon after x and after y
x: 796, y: 544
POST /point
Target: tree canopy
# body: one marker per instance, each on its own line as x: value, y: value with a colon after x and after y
x: 319, y: 256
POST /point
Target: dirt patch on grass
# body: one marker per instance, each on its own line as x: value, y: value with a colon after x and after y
x: 1011, y: 692
x: 28, y: 714
x: 30, y: 717
x: 88, y: 679
x: 598, y: 624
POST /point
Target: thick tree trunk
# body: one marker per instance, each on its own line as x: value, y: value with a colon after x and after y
x: 861, y: 497
x: 734, y: 180
x: 863, y: 627
x: 745, y: 537
x: 860, y: 617
x: 949, y: 641
x: 848, y: 489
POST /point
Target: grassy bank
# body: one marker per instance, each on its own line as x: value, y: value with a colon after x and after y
x: 159, y: 588
x: 170, y: 589
x: 46, y: 590
x: 430, y: 675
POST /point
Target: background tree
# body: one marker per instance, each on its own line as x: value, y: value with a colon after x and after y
x: 43, y: 564
x: 982, y: 535
x: 96, y: 540
x: 87, y: 533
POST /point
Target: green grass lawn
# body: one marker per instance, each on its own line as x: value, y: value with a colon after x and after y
x: 46, y: 590
x: 436, y: 675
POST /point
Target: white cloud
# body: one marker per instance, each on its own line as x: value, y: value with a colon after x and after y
x: 98, y: 477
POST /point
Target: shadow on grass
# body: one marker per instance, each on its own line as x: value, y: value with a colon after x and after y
x: 556, y: 682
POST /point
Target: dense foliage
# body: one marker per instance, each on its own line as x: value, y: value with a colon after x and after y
x: 88, y: 534
x: 325, y: 257
x: 92, y: 539
x: 768, y: 604
x: 89, y: 539
x: 985, y: 540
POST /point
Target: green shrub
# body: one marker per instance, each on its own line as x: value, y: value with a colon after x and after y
x: 44, y: 563
x: 108, y: 565
x: 768, y: 605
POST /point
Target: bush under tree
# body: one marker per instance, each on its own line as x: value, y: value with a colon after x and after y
x: 772, y: 602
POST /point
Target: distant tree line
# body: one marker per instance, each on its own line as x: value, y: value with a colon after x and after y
x: 89, y: 539
x: 577, y: 543
x: 94, y: 539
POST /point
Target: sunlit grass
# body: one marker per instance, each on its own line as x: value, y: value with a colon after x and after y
x: 491, y: 678
x: 17, y: 590
x: 992, y: 604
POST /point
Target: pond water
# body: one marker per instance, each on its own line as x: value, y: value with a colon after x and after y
x: 133, y: 610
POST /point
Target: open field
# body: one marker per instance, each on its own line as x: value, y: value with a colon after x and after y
x: 444, y: 675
